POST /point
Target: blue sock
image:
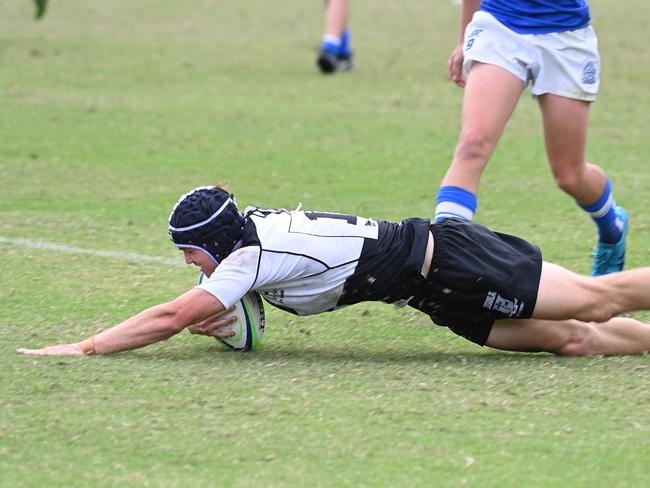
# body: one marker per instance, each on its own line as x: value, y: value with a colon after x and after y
x: 331, y: 44
x: 603, y: 213
x: 345, y: 50
x: 454, y: 201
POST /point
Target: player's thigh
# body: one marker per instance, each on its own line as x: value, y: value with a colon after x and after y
x: 491, y: 95
x: 565, y: 122
x: 566, y: 82
x: 563, y: 294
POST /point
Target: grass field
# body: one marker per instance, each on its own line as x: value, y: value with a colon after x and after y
x: 110, y: 110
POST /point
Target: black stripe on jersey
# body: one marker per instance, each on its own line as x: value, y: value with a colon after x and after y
x: 250, y: 238
x: 388, y: 266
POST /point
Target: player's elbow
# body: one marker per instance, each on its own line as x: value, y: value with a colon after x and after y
x: 179, y: 321
x: 172, y: 319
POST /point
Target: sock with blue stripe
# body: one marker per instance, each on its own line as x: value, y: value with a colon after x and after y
x: 454, y: 201
x: 331, y: 44
x: 603, y: 213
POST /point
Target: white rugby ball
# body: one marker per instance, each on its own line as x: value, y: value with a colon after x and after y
x: 249, y: 326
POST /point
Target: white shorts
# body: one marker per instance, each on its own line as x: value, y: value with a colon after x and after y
x: 562, y: 63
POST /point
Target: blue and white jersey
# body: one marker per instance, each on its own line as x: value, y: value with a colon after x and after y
x: 539, y: 16
x: 312, y: 262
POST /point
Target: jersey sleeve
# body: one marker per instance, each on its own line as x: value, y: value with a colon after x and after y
x: 234, y: 277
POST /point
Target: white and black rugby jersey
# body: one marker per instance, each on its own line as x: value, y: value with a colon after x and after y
x: 312, y: 262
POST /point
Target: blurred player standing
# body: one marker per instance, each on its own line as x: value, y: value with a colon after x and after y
x: 335, y: 52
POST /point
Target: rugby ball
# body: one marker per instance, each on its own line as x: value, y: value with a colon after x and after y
x: 249, y: 326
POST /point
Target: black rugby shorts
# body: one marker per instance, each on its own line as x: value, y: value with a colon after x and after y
x: 476, y: 277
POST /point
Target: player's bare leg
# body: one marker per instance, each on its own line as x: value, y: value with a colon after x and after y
x: 491, y: 94
x: 565, y: 136
x: 616, y: 336
x: 336, y: 17
x: 564, y: 294
x: 335, y: 52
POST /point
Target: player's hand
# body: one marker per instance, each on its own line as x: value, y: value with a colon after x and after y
x: 455, y: 66
x: 58, y: 350
x: 213, y: 326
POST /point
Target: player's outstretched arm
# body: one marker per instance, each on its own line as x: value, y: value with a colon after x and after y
x: 148, y: 327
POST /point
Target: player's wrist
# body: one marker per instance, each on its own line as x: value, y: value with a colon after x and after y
x: 87, y: 346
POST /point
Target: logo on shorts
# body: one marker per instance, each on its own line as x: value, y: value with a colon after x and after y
x: 510, y: 308
x: 470, y: 39
x: 589, y: 74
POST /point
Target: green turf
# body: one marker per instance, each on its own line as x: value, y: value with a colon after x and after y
x: 110, y: 110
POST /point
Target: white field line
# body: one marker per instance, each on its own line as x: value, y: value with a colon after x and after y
x: 53, y: 246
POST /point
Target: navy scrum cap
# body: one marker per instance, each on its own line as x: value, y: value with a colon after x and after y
x: 207, y: 219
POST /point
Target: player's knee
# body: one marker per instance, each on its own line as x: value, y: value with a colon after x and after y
x: 599, y: 308
x: 568, y: 181
x: 474, y: 146
x: 579, y: 340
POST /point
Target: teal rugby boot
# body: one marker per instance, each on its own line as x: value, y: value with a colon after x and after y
x: 610, y: 258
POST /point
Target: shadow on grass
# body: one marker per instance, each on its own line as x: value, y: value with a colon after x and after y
x: 336, y: 355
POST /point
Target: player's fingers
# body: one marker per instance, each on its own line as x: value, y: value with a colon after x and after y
x: 58, y: 350
x: 201, y: 329
x: 450, y: 68
x: 32, y: 352
x: 215, y: 317
x: 228, y: 310
x: 458, y: 79
x: 216, y: 332
x: 451, y: 64
x: 223, y: 334
x: 211, y: 319
x: 217, y: 322
x: 224, y: 322
x: 457, y: 72
x: 216, y: 326
x: 456, y: 67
